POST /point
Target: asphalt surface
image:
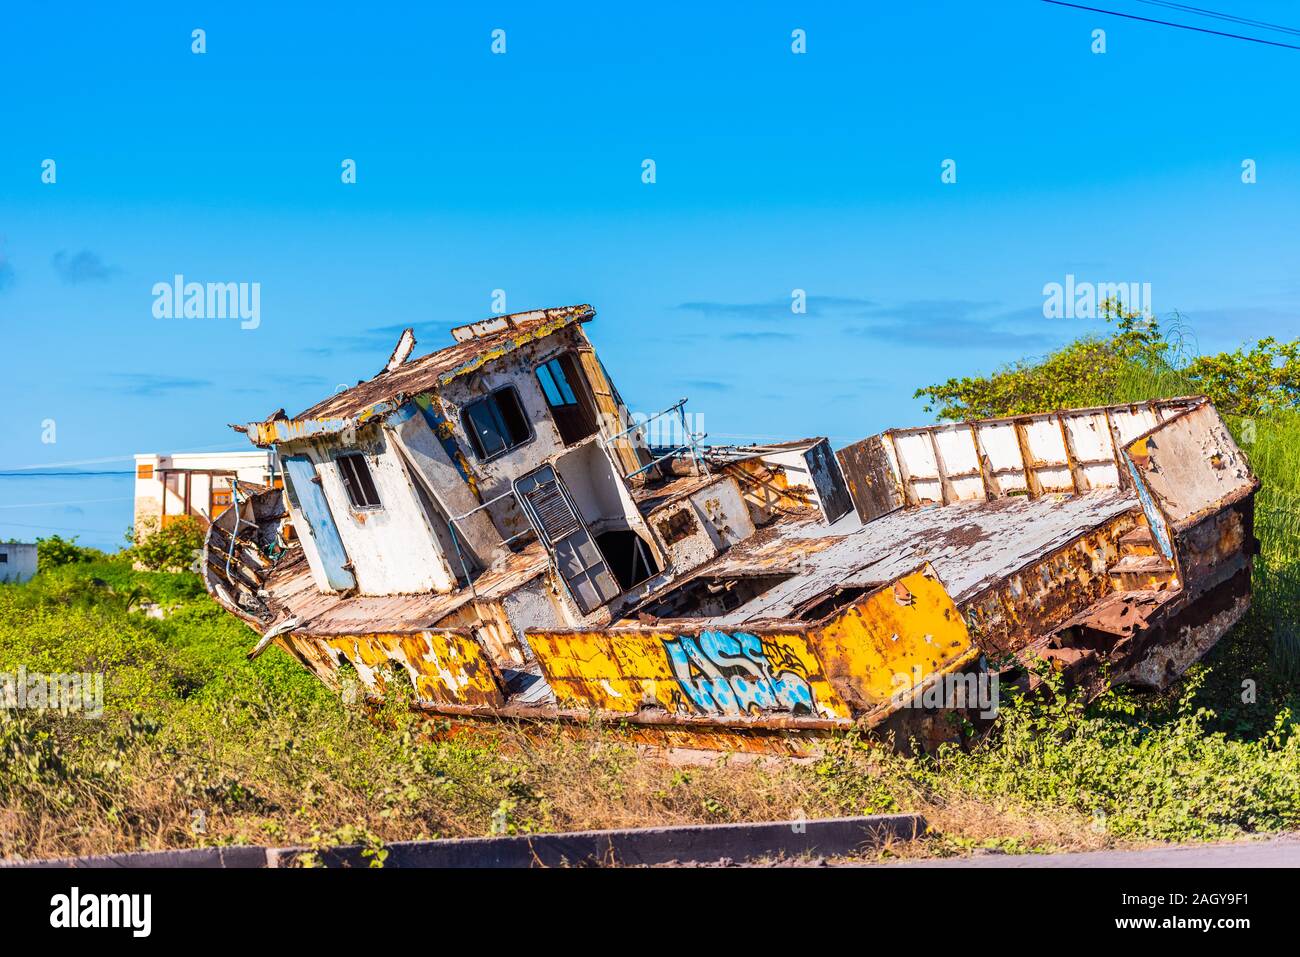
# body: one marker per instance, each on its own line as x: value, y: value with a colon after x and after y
x: 1282, y: 851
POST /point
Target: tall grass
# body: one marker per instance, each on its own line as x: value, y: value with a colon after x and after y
x: 1272, y: 445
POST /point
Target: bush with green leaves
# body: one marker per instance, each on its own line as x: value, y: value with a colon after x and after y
x: 56, y: 551
x: 174, y: 547
x: 1138, y: 360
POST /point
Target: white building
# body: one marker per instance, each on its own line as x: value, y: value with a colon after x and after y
x: 17, y: 561
x: 197, y: 484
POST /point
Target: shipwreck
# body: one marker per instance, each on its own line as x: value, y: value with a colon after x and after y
x: 489, y: 524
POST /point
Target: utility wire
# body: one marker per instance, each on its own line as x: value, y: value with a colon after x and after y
x: 122, y: 458
x: 1166, y: 23
x: 1222, y: 16
x: 60, y: 474
x: 78, y: 501
x: 63, y: 528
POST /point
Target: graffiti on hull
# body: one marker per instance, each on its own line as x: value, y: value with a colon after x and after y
x: 733, y: 674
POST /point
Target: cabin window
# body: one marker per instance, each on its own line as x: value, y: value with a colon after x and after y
x: 496, y: 423
x: 563, y: 385
x: 356, y: 479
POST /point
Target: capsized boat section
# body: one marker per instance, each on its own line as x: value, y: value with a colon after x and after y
x: 491, y: 526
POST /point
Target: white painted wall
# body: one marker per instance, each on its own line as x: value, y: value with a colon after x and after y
x: 517, y: 369
x: 961, y: 448
x: 251, y: 466
x: 17, y: 561
x: 392, y: 548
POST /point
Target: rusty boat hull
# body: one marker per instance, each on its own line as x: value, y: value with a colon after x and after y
x: 484, y: 526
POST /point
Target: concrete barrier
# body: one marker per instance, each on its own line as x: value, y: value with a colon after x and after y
x: 827, y: 837
x: 197, y: 857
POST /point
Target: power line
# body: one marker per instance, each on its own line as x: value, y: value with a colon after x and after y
x: 1231, y: 18
x: 1167, y: 23
x: 60, y: 474
x: 78, y: 501
x: 64, y: 528
x: 123, y: 458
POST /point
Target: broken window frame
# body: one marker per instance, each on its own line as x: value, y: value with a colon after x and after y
x: 356, y: 480
x: 471, y: 430
x: 575, y: 412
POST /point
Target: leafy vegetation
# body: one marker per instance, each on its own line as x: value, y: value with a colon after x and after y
x: 1139, y: 360
x: 174, y: 547
x: 55, y: 551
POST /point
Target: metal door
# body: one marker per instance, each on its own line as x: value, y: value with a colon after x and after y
x: 577, y: 557
x: 308, y: 500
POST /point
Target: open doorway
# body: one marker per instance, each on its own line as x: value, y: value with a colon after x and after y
x: 628, y: 556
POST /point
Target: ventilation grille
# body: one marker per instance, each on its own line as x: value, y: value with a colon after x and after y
x: 552, y: 511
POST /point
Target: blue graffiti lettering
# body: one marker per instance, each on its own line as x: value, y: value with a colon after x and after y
x: 729, y: 674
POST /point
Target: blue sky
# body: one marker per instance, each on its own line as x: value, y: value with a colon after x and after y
x: 522, y: 172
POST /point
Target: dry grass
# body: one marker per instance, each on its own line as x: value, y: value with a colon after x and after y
x: 370, y: 785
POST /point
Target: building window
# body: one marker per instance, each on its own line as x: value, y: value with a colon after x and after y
x: 565, y: 390
x: 356, y: 479
x: 144, y: 471
x: 496, y: 423
x: 4, y: 558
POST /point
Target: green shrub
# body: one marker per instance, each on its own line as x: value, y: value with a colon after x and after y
x: 55, y: 551
x: 175, y: 547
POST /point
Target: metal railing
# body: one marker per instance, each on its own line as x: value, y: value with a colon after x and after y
x: 455, y: 538
x: 691, y: 446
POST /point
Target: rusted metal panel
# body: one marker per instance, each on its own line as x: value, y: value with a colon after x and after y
x: 1014, y: 609
x: 1144, y: 638
x: 1159, y: 655
x: 855, y: 661
x: 971, y: 545
x: 447, y: 667
x: 767, y: 488
x: 788, y: 475
x: 1069, y: 451
x: 1192, y: 465
x: 687, y: 671
x: 1218, y: 546
x: 870, y: 478
x: 630, y: 450
x: 828, y: 481
x: 888, y: 642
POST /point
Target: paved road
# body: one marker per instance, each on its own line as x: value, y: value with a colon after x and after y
x: 1283, y: 851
